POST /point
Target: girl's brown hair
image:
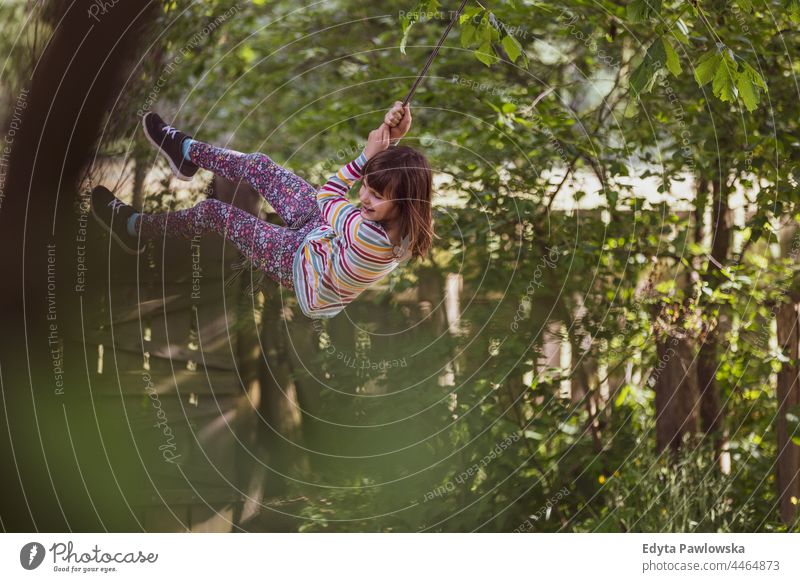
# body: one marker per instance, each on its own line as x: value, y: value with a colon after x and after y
x: 403, y: 175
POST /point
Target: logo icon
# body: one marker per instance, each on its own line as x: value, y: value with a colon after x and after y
x: 31, y: 555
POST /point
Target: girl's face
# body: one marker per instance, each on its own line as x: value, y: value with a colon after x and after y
x: 375, y: 206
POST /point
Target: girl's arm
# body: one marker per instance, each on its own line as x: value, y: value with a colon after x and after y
x: 336, y: 209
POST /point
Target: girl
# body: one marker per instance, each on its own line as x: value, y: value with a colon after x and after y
x: 330, y: 250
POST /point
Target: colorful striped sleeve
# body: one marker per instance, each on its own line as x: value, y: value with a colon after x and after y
x: 337, y: 210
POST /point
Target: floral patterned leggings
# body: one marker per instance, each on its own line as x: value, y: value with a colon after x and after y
x: 269, y: 247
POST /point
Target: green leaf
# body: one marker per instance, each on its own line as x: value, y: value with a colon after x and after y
x: 405, y: 39
x: 623, y: 394
x: 640, y: 79
x: 794, y: 11
x: 641, y: 10
x: 469, y: 13
x: 724, y: 79
x: 636, y: 11
x: 754, y: 76
x: 747, y: 91
x: 749, y: 84
x: 568, y: 428
x: 680, y: 36
x: 485, y: 54
x: 707, y: 67
x: 408, y: 20
x: 673, y: 63
x: 247, y: 54
x: 512, y: 47
x: 467, y: 35
x: 745, y: 5
x: 486, y: 31
x: 793, y: 423
x: 644, y: 77
x: 407, y: 23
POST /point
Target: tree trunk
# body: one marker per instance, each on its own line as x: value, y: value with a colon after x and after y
x: 76, y: 82
x: 711, y: 413
x: 139, y: 174
x: 676, y: 392
x: 430, y: 296
x: 788, y: 393
x: 279, y: 403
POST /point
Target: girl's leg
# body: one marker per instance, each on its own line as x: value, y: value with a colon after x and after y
x: 290, y: 196
x: 270, y: 248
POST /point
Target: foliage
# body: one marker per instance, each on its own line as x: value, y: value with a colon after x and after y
x: 631, y: 108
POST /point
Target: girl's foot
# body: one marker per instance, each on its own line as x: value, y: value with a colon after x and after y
x: 113, y: 215
x: 168, y: 141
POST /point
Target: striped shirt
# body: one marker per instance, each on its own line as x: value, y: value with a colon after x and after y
x: 341, y: 258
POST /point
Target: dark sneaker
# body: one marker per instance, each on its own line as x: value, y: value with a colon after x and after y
x: 168, y: 141
x: 113, y: 214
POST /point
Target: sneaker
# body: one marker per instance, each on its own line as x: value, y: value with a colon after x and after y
x: 113, y: 214
x: 168, y: 141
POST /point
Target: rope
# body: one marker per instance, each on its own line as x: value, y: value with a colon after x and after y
x: 434, y: 53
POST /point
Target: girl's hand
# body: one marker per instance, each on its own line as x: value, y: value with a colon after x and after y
x: 398, y: 119
x: 378, y: 140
